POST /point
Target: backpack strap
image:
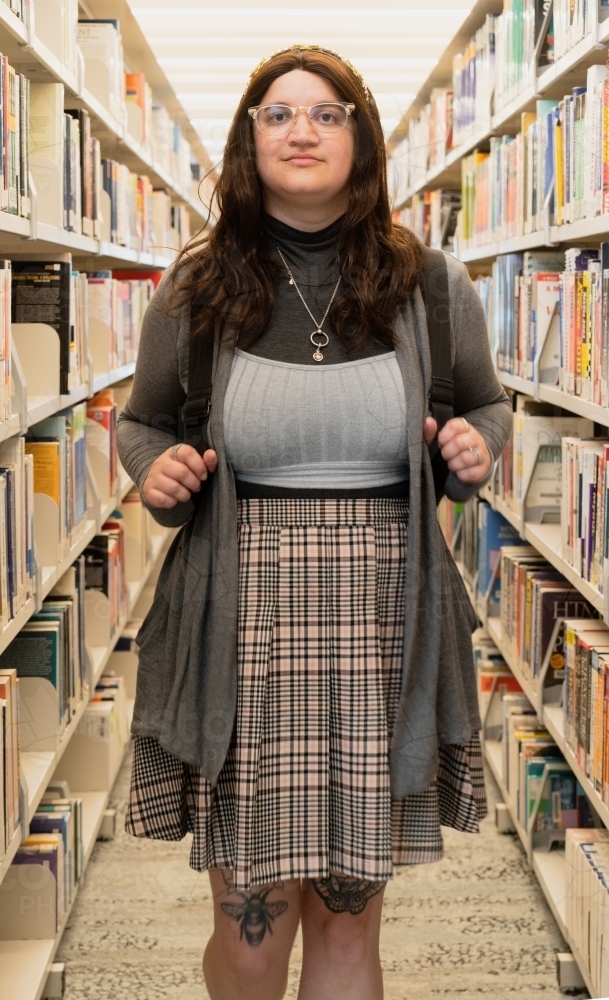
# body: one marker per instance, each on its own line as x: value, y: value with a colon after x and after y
x: 437, y: 309
x: 196, y: 409
x: 441, y: 397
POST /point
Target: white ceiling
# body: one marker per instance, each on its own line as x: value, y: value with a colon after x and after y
x: 208, y: 52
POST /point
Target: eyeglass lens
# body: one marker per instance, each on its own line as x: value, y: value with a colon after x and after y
x: 275, y: 119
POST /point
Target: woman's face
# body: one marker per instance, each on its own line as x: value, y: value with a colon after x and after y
x: 302, y: 167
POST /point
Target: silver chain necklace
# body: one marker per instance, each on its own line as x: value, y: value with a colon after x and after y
x: 318, y: 332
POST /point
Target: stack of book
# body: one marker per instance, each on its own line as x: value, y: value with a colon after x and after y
x: 169, y: 147
x: 539, y: 430
x: 530, y: 476
x: 180, y: 227
x: 495, y: 66
x: 587, y: 896
x: 433, y: 216
x: 492, y: 534
x: 533, y: 598
x: 584, y: 509
x: 546, y: 797
x: 138, y: 101
x: 554, y: 172
x: 473, y: 82
x: 584, y: 326
x: 49, y: 291
x: 55, y: 843
x: 102, y: 416
x: 117, y: 302
x: 86, y: 193
x: 58, y: 815
x: 569, y: 24
x: 548, y: 318
x: 129, y: 216
x: 5, y: 339
x: 17, y: 568
x: 517, y: 32
x: 586, y: 698
x: 101, y: 46
x: 50, y: 646
x: 15, y: 148
x: 106, y: 584
x: 58, y: 446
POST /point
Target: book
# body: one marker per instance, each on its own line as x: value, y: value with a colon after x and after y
x: 42, y: 293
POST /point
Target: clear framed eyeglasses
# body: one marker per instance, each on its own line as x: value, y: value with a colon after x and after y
x: 277, y: 119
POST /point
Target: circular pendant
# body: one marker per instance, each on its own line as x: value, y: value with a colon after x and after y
x: 318, y: 356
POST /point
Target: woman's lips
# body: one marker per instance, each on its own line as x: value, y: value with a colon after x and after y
x: 303, y: 159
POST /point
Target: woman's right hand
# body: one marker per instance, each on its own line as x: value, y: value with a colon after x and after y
x: 174, y: 480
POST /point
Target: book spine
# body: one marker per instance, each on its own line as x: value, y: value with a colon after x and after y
x: 12, y: 143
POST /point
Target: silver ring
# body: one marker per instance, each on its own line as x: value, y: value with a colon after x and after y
x: 175, y: 449
x: 466, y: 423
x: 476, y: 456
x: 322, y: 333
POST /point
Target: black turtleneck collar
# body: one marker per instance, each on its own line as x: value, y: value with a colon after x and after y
x: 284, y: 235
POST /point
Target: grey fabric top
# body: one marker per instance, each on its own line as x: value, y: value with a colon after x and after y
x: 341, y: 426
x: 187, y: 676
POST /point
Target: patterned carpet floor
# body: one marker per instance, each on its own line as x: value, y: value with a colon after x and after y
x: 473, y: 925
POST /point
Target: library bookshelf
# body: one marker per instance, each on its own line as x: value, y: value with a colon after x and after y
x: 25, y: 963
x: 549, y: 867
x: 551, y: 82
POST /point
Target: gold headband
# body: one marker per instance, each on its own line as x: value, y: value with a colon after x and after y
x: 313, y: 48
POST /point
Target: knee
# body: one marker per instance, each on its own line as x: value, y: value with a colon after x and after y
x: 255, y: 966
x: 249, y: 968
x: 346, y: 939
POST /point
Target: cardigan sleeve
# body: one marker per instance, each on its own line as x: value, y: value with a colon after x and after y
x: 478, y: 395
x: 149, y: 423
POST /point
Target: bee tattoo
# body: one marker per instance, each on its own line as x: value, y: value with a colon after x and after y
x: 344, y: 894
x: 254, y: 915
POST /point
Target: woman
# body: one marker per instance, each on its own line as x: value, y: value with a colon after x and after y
x: 306, y: 701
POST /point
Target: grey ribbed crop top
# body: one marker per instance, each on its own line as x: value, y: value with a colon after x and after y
x: 296, y: 426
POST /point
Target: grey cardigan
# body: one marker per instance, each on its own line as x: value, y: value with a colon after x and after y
x: 187, y: 677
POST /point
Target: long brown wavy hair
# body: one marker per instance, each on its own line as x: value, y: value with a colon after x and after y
x: 228, y: 272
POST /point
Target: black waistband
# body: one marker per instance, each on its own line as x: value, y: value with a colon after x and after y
x: 258, y: 491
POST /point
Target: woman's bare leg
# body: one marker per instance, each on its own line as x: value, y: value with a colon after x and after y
x: 341, y: 921
x: 248, y: 954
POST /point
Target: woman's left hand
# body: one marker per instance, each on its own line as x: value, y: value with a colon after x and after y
x: 463, y: 448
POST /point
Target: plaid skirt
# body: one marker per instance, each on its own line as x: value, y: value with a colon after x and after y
x: 305, y: 788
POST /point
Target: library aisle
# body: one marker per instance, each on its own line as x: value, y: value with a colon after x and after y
x: 475, y: 924
x: 113, y: 120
